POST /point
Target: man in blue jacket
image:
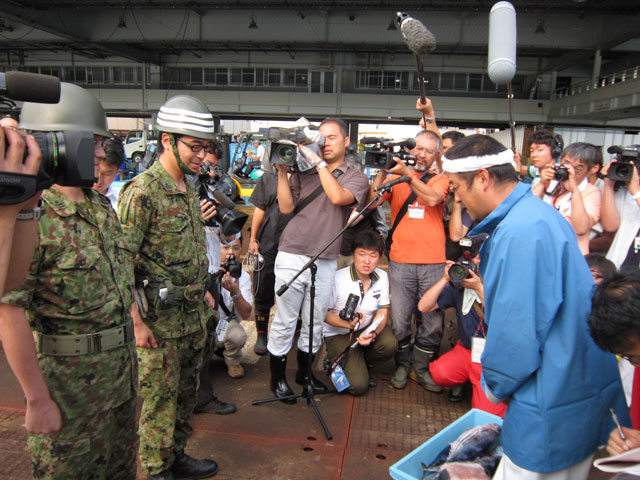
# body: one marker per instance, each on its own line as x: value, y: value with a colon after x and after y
x: 538, y: 356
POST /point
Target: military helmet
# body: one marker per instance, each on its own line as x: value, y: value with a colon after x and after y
x: 77, y: 110
x: 185, y: 115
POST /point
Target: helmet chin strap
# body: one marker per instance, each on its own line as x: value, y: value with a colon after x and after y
x: 174, y: 148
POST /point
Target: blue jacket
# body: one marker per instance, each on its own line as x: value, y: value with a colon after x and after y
x: 539, y: 355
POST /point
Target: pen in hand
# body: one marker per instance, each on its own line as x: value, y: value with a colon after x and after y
x: 616, y: 420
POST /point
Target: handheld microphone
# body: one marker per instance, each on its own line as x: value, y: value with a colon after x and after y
x: 419, y: 40
x: 392, y: 183
x: 501, y: 64
x: 30, y: 87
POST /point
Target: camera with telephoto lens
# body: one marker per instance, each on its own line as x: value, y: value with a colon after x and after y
x: 283, y: 145
x: 232, y: 266
x: 626, y: 160
x: 381, y: 153
x: 561, y: 174
x: 213, y: 189
x: 348, y: 312
x: 470, y: 247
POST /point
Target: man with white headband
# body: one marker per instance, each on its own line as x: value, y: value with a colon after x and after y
x: 538, y: 356
x: 160, y: 215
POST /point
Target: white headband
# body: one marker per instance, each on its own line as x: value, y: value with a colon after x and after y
x: 471, y: 164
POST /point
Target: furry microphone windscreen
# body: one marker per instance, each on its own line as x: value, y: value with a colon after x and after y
x: 419, y: 40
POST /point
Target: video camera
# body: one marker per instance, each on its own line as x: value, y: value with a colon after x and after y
x: 283, y: 143
x: 67, y: 156
x: 381, y: 153
x: 213, y: 189
x: 626, y: 158
x: 470, y: 248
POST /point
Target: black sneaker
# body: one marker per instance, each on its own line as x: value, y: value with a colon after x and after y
x: 189, y: 467
x: 216, y: 406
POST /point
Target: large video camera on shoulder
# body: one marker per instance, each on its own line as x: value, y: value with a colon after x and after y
x: 67, y: 155
x: 381, y: 153
x: 216, y: 190
x: 283, y: 143
x: 626, y: 160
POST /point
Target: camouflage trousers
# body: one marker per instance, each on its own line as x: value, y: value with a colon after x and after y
x: 168, y: 383
x: 99, y: 446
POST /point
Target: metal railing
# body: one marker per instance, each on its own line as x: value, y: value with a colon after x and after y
x: 629, y: 74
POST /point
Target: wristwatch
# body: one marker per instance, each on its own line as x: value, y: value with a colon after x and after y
x: 428, y: 119
x: 236, y: 296
x: 33, y: 214
x: 322, y: 164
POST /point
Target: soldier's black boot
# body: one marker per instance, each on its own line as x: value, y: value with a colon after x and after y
x: 262, y: 323
x: 304, y: 359
x: 279, y: 386
x: 185, y: 466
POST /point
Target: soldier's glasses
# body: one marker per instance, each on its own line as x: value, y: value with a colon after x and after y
x: 198, y: 147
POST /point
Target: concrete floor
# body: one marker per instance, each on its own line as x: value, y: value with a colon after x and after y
x: 278, y: 441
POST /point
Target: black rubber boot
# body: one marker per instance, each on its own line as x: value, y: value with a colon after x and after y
x: 262, y: 323
x: 400, y: 377
x: 303, y: 359
x: 279, y: 386
x: 189, y: 467
x: 420, y: 359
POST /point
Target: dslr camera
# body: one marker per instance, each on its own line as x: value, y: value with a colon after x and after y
x: 283, y: 145
x: 470, y: 248
x: 213, y: 189
x: 626, y: 160
x: 232, y: 266
x: 348, y: 312
x: 561, y: 174
x: 381, y: 153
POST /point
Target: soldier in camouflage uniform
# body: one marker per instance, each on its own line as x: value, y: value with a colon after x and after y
x: 160, y: 214
x: 77, y: 297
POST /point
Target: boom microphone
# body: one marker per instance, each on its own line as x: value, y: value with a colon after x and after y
x: 370, y: 140
x: 502, y: 43
x: 419, y: 40
x: 30, y: 87
x: 392, y: 183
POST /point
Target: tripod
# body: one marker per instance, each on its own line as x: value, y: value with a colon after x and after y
x: 307, y: 390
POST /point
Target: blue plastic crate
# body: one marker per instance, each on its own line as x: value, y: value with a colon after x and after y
x: 409, y: 468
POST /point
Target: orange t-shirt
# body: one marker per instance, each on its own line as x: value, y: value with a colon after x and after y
x: 419, y: 238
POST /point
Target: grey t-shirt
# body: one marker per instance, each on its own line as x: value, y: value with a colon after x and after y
x: 320, y: 221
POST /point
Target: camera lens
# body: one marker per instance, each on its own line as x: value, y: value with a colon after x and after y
x: 457, y: 272
x: 561, y: 174
x: 286, y: 153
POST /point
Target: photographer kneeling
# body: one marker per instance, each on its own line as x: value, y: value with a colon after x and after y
x: 462, y: 289
x: 371, y: 285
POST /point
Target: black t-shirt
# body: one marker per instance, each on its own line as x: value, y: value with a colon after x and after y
x: 265, y: 197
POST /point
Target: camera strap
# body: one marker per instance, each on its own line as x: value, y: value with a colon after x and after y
x: 315, y: 194
x: 403, y: 211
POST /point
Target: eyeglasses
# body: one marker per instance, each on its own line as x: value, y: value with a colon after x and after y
x: 198, y: 147
x: 427, y: 151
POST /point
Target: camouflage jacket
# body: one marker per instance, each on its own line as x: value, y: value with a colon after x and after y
x: 164, y: 227
x: 80, y: 281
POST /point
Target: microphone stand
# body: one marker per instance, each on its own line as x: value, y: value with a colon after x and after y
x: 307, y: 391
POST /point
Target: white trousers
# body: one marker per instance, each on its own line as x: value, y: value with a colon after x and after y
x: 297, y: 301
x: 507, y: 470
